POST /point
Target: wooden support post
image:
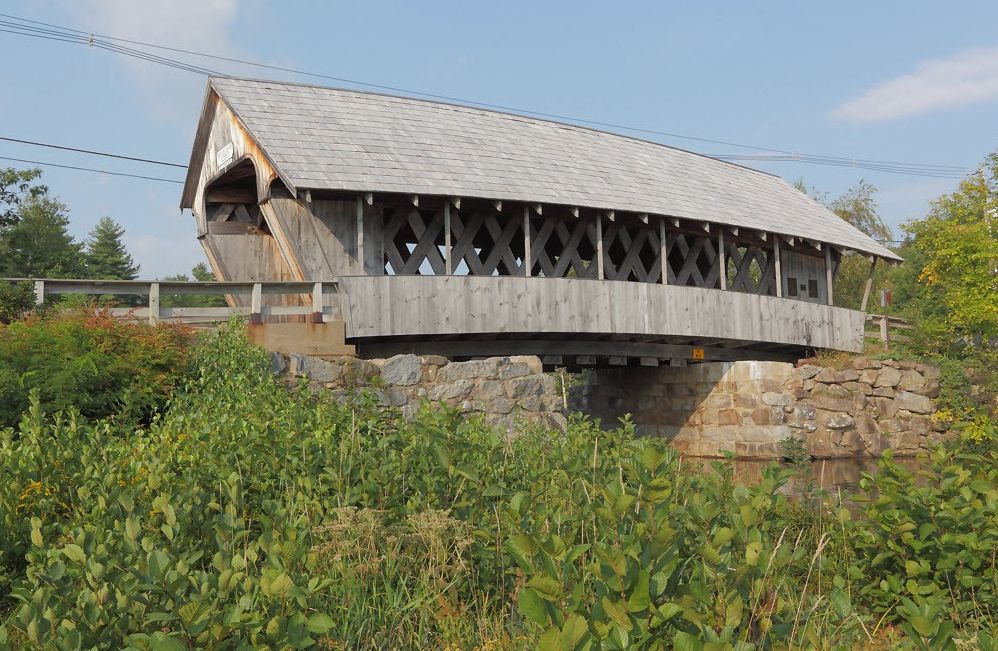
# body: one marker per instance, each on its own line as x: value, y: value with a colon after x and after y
x: 599, y: 247
x: 39, y: 292
x: 317, y: 303
x: 360, y: 234
x: 153, y: 303
x: 256, y: 304
x: 448, y: 263
x: 662, y: 234
x: 884, y: 332
x: 721, y: 261
x: 528, y: 264
x: 869, y: 285
x: 777, y: 266
x: 828, y: 274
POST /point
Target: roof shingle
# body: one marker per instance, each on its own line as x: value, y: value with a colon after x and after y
x: 327, y: 138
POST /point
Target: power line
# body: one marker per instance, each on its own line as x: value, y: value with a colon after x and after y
x: 92, y: 152
x: 90, y: 169
x: 59, y: 33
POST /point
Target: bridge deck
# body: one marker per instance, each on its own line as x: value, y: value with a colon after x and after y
x: 582, y: 317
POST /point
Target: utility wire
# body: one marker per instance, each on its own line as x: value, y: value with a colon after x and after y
x: 59, y: 33
x: 90, y: 169
x: 92, y: 152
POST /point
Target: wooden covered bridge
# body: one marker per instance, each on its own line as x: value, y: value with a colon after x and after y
x: 438, y: 228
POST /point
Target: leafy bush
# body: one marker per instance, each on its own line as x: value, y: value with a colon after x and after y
x: 251, y: 514
x: 89, y: 361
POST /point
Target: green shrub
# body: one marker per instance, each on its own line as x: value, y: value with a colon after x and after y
x: 250, y: 514
x: 88, y: 361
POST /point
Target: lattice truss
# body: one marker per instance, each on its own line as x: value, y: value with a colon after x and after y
x: 692, y: 260
x: 632, y: 251
x: 491, y: 243
x: 750, y: 269
x: 563, y: 248
x: 482, y: 243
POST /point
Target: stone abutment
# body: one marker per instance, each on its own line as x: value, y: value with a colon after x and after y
x: 704, y: 409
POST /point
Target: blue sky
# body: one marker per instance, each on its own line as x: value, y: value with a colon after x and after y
x: 913, y: 81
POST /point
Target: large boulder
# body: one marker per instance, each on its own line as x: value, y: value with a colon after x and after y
x: 402, y: 370
x: 913, y: 402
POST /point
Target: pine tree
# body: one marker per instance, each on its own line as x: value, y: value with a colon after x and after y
x: 106, y: 256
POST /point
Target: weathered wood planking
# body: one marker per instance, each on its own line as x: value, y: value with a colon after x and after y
x: 321, y: 235
x: 421, y: 306
x: 225, y: 143
x: 249, y: 257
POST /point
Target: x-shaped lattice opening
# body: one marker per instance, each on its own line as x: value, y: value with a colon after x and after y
x: 750, y: 270
x: 563, y: 247
x: 487, y: 245
x: 692, y: 261
x: 414, y: 237
x: 632, y: 252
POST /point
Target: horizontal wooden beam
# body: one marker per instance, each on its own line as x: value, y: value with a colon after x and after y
x: 231, y: 228
x: 230, y: 195
x: 219, y: 313
x: 141, y: 287
x: 576, y: 348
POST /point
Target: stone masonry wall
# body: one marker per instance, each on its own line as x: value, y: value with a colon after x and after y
x: 749, y: 407
x: 508, y: 391
x: 704, y: 409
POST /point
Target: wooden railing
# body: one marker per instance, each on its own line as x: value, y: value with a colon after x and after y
x: 885, y: 324
x: 317, y: 308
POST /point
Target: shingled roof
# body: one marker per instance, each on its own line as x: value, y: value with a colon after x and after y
x: 334, y: 139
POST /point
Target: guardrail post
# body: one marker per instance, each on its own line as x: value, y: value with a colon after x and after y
x: 153, y: 303
x: 39, y: 292
x: 884, y: 332
x: 317, y: 303
x: 256, y: 304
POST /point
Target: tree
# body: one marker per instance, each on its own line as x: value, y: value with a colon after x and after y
x: 36, y: 243
x: 39, y: 244
x: 955, y: 291
x: 858, y: 206
x: 106, y: 256
x: 15, y: 187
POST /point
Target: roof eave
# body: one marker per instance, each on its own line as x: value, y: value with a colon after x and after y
x: 198, y: 148
x: 285, y: 179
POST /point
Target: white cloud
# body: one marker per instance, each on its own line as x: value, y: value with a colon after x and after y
x: 965, y: 78
x: 201, y: 25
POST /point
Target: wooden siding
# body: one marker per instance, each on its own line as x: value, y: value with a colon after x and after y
x: 469, y: 306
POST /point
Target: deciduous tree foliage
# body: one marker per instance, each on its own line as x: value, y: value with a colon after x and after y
x: 15, y: 186
x: 952, y: 285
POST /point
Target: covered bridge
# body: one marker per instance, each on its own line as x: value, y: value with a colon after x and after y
x: 467, y: 232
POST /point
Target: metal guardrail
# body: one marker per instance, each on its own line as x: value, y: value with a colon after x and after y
x: 316, y: 306
x: 886, y: 323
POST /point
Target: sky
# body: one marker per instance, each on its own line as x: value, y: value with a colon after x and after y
x: 903, y: 81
